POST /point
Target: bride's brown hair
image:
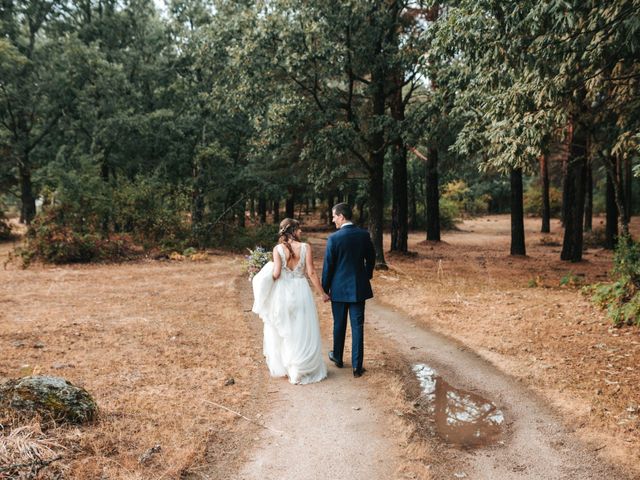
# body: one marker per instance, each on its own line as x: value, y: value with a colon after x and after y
x: 287, y: 232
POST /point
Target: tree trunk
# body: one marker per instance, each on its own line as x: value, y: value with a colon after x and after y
x: 611, y: 227
x: 290, y: 205
x: 28, y: 208
x: 276, y: 212
x: 619, y: 193
x: 413, y: 206
x: 197, y: 203
x: 433, y: 196
x: 399, y: 214
x: 628, y: 176
x: 242, y: 214
x: 565, y: 177
x: 351, y: 197
x: 546, y: 204
x: 517, y: 214
x: 588, y: 197
x: 399, y: 219
x: 376, y: 205
x: 262, y: 209
x: 376, y: 167
x: 362, y: 212
x: 574, y: 208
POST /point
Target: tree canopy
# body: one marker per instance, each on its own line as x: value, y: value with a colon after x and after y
x: 203, y: 111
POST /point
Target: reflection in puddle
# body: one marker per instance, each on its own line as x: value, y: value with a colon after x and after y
x: 459, y: 417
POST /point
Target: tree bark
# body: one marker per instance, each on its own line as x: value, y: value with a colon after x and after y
x: 433, y: 196
x: 517, y: 214
x: 28, y: 208
x: 546, y: 204
x: 276, y: 212
x: 197, y: 202
x: 399, y: 195
x: 588, y: 198
x: 399, y: 208
x: 619, y: 193
x: 565, y: 177
x: 376, y: 156
x: 242, y: 214
x: 611, y: 227
x: 413, y: 206
x: 262, y: 209
x: 362, y: 212
x: 628, y: 198
x: 290, y: 204
x: 574, y: 196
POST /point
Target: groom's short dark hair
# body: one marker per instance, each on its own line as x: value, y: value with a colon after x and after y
x: 343, y: 209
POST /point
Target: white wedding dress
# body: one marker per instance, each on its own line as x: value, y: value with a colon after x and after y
x: 292, y: 344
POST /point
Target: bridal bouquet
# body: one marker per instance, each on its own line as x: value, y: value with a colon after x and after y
x: 256, y: 259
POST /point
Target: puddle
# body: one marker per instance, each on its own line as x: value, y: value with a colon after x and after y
x: 458, y: 417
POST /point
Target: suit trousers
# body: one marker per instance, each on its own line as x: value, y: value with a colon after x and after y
x: 355, y: 311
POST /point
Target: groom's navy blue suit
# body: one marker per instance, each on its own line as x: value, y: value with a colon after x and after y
x: 349, y: 261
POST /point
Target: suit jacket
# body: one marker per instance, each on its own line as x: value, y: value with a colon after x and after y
x: 349, y: 261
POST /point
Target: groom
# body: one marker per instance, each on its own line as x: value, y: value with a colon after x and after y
x: 348, y: 266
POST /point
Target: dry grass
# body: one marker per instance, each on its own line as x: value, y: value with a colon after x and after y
x: 25, y: 452
x: 156, y: 342
x: 152, y: 342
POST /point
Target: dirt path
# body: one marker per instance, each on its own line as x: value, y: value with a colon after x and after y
x: 340, y: 428
x: 332, y: 429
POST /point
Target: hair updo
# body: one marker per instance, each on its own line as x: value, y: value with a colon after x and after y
x: 287, y: 232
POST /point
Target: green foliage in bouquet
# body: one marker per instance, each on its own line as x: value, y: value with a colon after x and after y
x: 256, y: 259
x: 621, y: 299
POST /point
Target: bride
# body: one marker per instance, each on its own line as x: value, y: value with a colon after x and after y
x: 284, y: 301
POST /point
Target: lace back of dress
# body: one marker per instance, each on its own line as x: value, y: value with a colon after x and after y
x: 299, y: 269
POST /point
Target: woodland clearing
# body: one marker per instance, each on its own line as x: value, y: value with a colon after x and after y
x: 165, y: 345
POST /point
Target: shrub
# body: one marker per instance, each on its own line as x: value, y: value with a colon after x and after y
x: 5, y: 228
x: 533, y: 201
x: 621, y: 299
x: 596, y: 238
x: 465, y: 200
x: 152, y: 211
x: 449, y: 213
x: 242, y: 239
x: 55, y: 236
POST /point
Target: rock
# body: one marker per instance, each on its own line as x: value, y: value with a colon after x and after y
x: 146, y: 456
x: 230, y: 381
x: 38, y: 345
x: 52, y: 397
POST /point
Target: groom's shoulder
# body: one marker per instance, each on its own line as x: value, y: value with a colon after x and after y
x: 362, y: 231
